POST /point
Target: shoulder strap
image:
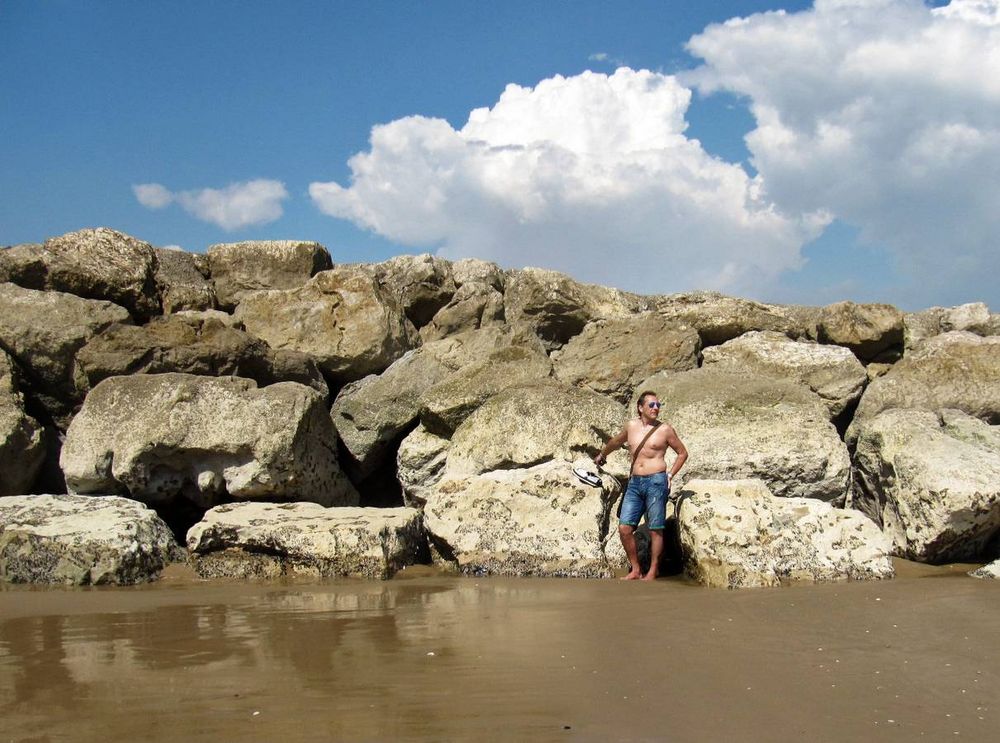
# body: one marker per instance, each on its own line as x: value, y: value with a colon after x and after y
x: 635, y: 454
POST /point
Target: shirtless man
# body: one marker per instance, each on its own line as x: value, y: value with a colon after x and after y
x: 650, y: 482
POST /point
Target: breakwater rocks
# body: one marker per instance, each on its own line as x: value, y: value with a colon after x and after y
x: 277, y: 413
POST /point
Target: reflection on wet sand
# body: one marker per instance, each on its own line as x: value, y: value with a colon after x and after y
x: 443, y: 657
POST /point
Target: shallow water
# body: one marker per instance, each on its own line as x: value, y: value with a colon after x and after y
x: 430, y: 657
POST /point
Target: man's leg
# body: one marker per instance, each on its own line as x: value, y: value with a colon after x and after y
x: 627, y: 534
x: 655, y: 551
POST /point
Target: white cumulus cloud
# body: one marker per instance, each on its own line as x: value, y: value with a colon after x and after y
x: 238, y: 205
x: 591, y: 174
x: 883, y: 113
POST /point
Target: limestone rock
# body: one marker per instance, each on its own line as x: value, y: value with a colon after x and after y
x: 613, y: 356
x: 474, y: 305
x: 340, y: 317
x: 867, y: 329
x: 192, y: 345
x: 832, y: 372
x: 736, y: 534
x: 555, y: 307
x: 474, y: 270
x: 953, y: 370
x: 736, y: 426
x: 991, y: 571
x: 243, y: 267
x: 81, y: 540
x: 420, y: 464
x: 267, y: 540
x: 539, y: 521
x: 22, y: 446
x: 530, y: 424
x: 23, y: 265
x: 421, y: 284
x: 43, y: 331
x: 182, y: 279
x: 932, y: 482
x: 719, y: 318
x: 164, y: 437
x: 919, y: 326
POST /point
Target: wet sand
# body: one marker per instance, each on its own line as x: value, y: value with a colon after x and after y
x: 430, y: 657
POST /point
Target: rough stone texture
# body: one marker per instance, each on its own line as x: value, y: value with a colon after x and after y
x: 719, y: 318
x: 192, y: 345
x: 932, y: 482
x: 953, y: 370
x: 736, y: 534
x: 974, y: 317
x: 81, y: 540
x: 268, y: 540
x: 531, y: 424
x: 421, y: 284
x: 867, y: 329
x: 555, y: 307
x: 990, y: 572
x: 161, y: 437
x: 539, y: 521
x: 42, y: 331
x: 182, y: 279
x: 832, y: 372
x: 474, y: 305
x: 474, y: 270
x: 22, y: 444
x: 244, y: 267
x: 612, y: 356
x: 340, y: 317
x: 94, y: 264
x: 420, y: 464
x: 738, y: 426
x: 447, y: 404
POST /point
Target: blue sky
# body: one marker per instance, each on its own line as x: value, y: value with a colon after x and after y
x: 846, y: 150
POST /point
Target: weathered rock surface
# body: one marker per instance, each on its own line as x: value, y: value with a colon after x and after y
x: 990, y: 572
x: 953, y: 370
x: 932, y: 481
x: 474, y: 305
x: 613, y: 356
x: 161, y: 437
x: 538, y: 521
x: 268, y: 540
x: 240, y: 268
x: 340, y: 317
x: 832, y: 372
x: 736, y: 534
x: 737, y: 426
x: 529, y: 424
x: 182, y: 280
x: 22, y: 446
x: 421, y: 284
x: 81, y: 540
x: 719, y: 318
x: 42, y: 331
x: 867, y: 329
x: 420, y: 464
x: 191, y: 345
x: 919, y: 326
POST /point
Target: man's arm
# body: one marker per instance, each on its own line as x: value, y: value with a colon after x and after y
x: 614, y: 443
x: 674, y: 442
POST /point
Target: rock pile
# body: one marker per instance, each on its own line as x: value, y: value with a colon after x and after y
x: 285, y: 414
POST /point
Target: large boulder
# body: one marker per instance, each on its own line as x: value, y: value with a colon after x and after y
x: 737, y: 426
x: 736, y: 534
x: 191, y: 344
x: 612, y: 356
x: 240, y: 268
x: 164, y: 437
x: 22, y: 445
x: 474, y: 305
x: 919, y: 326
x: 953, y: 370
x: 93, y: 263
x: 420, y: 463
x: 43, y: 331
x: 267, y: 540
x: 932, y: 481
x: 555, y: 307
x: 182, y: 279
x: 534, y: 423
x: 421, y: 284
x: 538, y: 521
x: 832, y: 372
x: 719, y: 318
x: 340, y: 317
x: 869, y: 330
x: 81, y: 540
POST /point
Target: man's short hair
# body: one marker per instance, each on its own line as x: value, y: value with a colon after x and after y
x: 642, y: 397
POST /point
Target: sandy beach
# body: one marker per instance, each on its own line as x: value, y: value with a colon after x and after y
x: 431, y: 657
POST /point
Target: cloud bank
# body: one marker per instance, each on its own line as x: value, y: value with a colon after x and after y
x: 236, y: 206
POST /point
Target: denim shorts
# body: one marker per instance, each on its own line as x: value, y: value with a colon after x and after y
x: 646, y: 494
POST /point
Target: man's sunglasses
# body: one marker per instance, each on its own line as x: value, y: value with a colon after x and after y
x: 654, y: 405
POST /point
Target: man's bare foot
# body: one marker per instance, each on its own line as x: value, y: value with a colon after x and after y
x: 649, y: 576
x: 634, y: 575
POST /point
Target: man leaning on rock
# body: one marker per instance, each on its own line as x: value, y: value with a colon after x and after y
x: 649, y: 480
